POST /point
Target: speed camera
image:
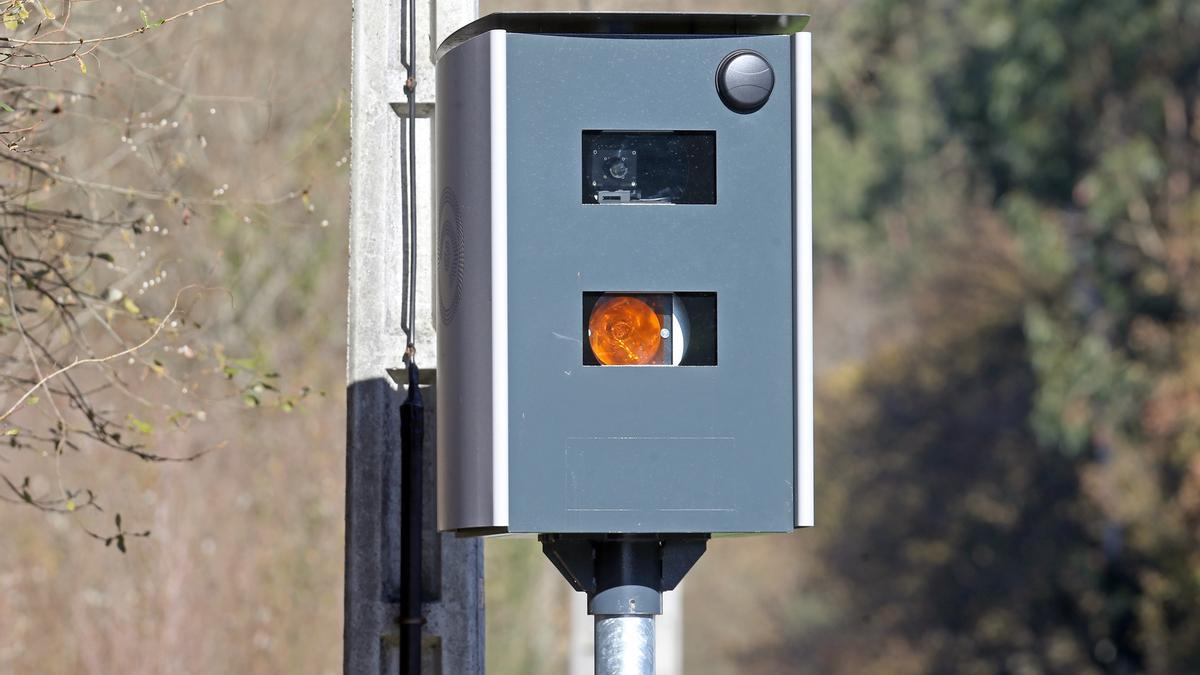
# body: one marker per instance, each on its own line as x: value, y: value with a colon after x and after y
x: 624, y: 275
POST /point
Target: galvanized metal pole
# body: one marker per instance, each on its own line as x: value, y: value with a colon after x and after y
x: 625, y: 645
x: 628, y: 595
x: 668, y: 636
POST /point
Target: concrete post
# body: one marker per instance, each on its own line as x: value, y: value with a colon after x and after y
x: 453, y: 571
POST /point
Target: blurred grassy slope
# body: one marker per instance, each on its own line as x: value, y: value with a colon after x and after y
x: 243, y: 570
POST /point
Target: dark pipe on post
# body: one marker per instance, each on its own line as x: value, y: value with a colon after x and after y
x: 412, y: 438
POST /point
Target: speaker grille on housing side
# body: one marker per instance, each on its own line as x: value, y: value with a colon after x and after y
x: 450, y: 256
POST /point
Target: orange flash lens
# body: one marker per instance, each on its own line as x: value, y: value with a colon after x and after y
x: 624, y: 331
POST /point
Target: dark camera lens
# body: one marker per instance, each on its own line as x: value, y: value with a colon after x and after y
x: 616, y: 167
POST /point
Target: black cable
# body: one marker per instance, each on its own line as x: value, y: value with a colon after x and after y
x: 412, y: 440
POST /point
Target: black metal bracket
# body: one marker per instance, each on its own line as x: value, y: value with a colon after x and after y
x: 624, y: 575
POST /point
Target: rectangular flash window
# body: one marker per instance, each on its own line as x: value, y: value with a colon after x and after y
x: 649, y: 329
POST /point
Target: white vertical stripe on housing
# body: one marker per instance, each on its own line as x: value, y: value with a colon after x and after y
x: 499, y: 190
x: 802, y: 170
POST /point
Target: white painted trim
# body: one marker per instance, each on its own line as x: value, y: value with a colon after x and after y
x: 499, y: 194
x: 802, y: 170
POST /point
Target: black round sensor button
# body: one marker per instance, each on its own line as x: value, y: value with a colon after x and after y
x: 745, y: 81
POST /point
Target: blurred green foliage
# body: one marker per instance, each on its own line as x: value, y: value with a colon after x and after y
x: 1015, y: 486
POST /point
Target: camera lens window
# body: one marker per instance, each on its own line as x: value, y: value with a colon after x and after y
x: 649, y: 167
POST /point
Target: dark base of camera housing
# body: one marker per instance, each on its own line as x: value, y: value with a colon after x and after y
x: 624, y: 575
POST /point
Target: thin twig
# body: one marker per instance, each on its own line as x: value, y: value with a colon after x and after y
x: 107, y: 38
x: 125, y: 352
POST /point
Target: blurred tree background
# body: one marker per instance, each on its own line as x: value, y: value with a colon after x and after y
x: 1008, y: 332
x: 1012, y: 487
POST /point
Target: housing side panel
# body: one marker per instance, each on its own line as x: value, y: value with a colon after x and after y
x: 464, y: 193
x: 802, y: 219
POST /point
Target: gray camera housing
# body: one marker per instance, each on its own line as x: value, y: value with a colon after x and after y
x: 531, y: 440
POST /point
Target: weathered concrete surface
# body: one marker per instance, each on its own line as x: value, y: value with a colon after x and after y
x: 453, y: 572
